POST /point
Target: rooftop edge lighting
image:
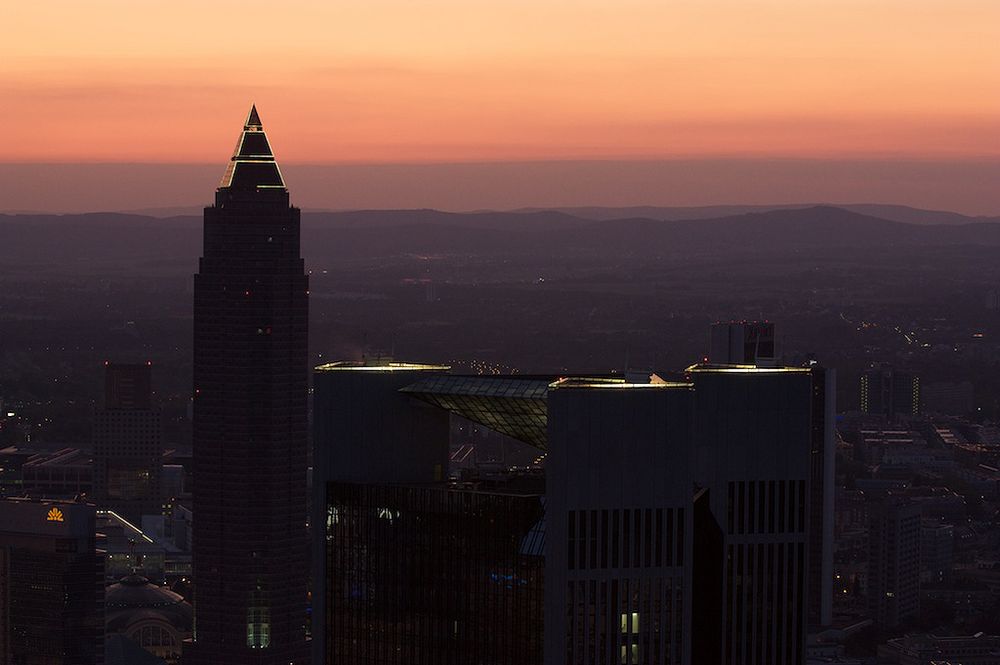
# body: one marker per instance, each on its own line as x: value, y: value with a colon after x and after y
x: 362, y: 366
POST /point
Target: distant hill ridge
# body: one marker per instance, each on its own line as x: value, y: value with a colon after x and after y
x: 895, y: 213
x: 892, y: 212
x: 88, y: 241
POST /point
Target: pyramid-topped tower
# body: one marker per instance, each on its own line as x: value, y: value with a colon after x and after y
x: 252, y: 165
x: 250, y: 396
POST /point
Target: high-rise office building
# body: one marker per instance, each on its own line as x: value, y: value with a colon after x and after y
x: 620, y: 525
x: 409, y: 568
x: 678, y: 517
x: 893, y: 560
x: 51, y: 584
x: 743, y: 343
x: 653, y: 486
x: 937, y: 545
x: 753, y: 344
x: 250, y: 434
x: 127, y: 444
x: 889, y: 392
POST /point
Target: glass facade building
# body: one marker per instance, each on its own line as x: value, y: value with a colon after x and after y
x: 432, y: 575
x: 409, y: 567
x: 51, y: 584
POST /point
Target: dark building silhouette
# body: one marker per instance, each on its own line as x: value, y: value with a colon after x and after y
x: 822, y: 487
x: 250, y: 420
x: 51, y: 584
x: 937, y: 548
x: 753, y: 344
x: 151, y: 616
x: 889, y: 392
x: 743, y: 343
x: 127, y: 444
x: 128, y: 386
x: 893, y: 560
x: 651, y: 487
x: 678, y: 516
x: 433, y: 574
x: 62, y: 474
x: 409, y: 568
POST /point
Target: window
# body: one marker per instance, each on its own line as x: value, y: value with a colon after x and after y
x: 258, y: 621
x: 630, y: 654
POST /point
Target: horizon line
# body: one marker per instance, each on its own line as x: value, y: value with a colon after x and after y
x: 739, y: 157
x: 762, y: 207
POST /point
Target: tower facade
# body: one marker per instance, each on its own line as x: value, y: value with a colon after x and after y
x: 51, y: 583
x: 408, y: 566
x: 889, y: 392
x: 250, y: 419
x: 893, y: 561
x: 679, y: 518
x: 127, y: 447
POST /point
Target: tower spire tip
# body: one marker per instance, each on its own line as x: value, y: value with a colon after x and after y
x: 253, y: 119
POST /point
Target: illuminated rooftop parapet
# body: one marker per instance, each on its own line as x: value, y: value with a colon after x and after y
x: 616, y: 384
x: 379, y: 366
x: 745, y: 369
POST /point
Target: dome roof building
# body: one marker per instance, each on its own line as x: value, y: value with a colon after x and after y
x: 152, y: 616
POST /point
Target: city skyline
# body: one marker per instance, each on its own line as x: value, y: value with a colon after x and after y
x: 566, y: 332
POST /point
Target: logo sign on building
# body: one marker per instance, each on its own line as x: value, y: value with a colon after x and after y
x: 55, y: 515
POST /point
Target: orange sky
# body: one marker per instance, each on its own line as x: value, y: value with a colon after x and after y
x: 467, y: 80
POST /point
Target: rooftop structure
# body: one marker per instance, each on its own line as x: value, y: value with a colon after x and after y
x: 252, y: 164
x: 743, y: 342
x: 512, y: 405
x: 127, y: 549
x: 152, y: 616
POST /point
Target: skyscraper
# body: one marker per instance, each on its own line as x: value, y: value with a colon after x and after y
x: 127, y: 445
x: 250, y: 419
x: 51, y: 584
x: 678, y: 516
x: 408, y: 567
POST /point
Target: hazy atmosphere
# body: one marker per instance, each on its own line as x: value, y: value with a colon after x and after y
x: 523, y: 332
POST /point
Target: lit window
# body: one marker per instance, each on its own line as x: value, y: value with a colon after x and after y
x: 630, y: 654
x: 630, y: 623
x: 258, y: 621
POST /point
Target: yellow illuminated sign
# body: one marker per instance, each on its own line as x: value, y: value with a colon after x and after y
x: 55, y: 515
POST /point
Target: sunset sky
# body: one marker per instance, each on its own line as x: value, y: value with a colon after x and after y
x: 440, y: 81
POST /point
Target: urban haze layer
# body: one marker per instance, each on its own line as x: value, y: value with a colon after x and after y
x: 732, y: 434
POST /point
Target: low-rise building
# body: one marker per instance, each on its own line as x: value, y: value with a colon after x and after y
x: 978, y: 649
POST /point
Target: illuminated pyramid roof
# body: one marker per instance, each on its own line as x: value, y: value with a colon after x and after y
x: 252, y: 165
